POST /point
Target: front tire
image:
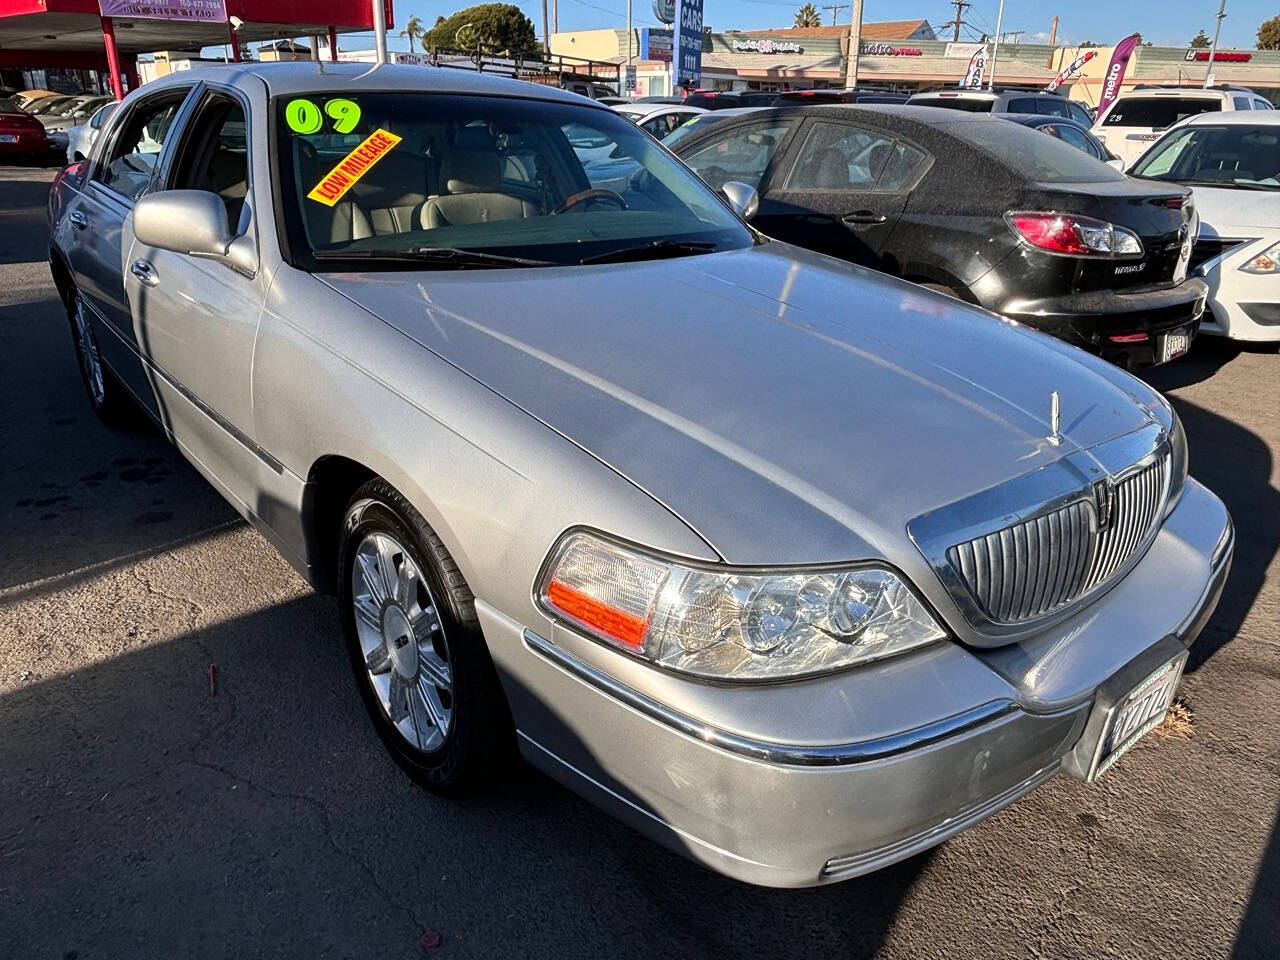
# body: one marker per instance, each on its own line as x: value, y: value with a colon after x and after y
x: 416, y: 648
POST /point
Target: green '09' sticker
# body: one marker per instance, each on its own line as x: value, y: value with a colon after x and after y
x: 303, y: 116
x: 345, y: 114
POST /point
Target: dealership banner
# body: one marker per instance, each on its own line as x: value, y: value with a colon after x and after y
x: 977, y: 72
x: 1071, y: 70
x: 687, y: 63
x: 1115, y: 71
x: 203, y: 11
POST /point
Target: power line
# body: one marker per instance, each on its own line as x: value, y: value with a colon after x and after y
x: 835, y: 9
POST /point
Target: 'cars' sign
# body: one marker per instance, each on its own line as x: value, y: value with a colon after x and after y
x: 688, y: 54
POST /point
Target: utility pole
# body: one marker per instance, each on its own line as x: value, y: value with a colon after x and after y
x: 959, y: 20
x: 1213, y: 47
x: 995, y: 50
x: 835, y: 9
x: 555, y: 16
x: 629, y: 54
x: 855, y: 46
x: 546, y: 35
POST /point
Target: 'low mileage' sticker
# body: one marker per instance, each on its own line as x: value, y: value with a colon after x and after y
x: 352, y: 167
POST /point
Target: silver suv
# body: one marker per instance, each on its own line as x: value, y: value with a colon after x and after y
x: 1005, y: 101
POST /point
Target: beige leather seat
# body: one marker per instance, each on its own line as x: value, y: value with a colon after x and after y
x: 473, y: 192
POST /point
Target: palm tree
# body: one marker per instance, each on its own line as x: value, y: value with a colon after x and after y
x: 412, y: 28
x: 807, y: 16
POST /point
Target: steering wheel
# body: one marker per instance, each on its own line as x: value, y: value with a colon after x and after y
x: 586, y: 196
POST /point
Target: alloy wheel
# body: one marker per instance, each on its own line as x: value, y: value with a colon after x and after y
x: 90, y: 361
x: 402, y: 640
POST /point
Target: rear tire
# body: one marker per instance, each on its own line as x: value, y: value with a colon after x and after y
x: 416, y: 648
x: 108, y: 398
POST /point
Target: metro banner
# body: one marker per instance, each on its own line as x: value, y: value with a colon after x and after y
x: 202, y: 11
x: 1115, y: 71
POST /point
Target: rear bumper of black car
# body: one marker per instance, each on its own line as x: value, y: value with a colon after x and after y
x: 1126, y: 328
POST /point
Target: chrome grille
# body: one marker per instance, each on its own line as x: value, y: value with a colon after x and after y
x: 1033, y: 567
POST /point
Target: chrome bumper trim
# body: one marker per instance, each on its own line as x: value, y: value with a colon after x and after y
x: 777, y: 753
x: 1223, y: 553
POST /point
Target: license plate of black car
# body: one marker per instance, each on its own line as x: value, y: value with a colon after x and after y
x: 1175, y: 343
x: 1137, y: 714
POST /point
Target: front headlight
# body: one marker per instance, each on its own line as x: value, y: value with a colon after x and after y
x: 1268, y: 261
x: 732, y: 624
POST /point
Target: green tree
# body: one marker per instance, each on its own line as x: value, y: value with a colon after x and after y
x: 412, y: 29
x: 494, y: 27
x: 808, y: 16
x: 1269, y: 34
x: 1200, y: 41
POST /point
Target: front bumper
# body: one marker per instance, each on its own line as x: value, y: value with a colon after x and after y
x: 1091, y: 320
x: 804, y: 783
x: 1242, y: 306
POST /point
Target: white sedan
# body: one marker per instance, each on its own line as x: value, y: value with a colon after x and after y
x: 1231, y: 161
x: 80, y: 139
x: 658, y: 119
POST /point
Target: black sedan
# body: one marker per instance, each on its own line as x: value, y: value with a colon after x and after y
x: 976, y: 207
x: 1069, y: 132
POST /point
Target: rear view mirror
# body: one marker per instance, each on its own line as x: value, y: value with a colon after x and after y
x: 742, y: 197
x: 194, y: 223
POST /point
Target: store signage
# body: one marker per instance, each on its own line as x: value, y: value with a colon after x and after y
x: 656, y: 44
x: 888, y: 50
x: 767, y: 46
x: 1219, y: 56
x: 202, y: 11
x: 1115, y: 70
x: 665, y: 10
x: 687, y: 62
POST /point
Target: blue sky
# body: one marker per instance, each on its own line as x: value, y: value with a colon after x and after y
x: 1162, y: 22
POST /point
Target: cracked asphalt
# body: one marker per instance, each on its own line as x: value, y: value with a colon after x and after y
x: 142, y: 817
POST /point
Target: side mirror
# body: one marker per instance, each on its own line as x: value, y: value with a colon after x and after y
x: 1116, y: 163
x: 192, y: 222
x: 742, y: 197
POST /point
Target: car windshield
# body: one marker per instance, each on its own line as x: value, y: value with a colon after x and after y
x: 1028, y: 152
x: 1157, y: 112
x: 385, y: 178
x: 1230, y: 155
x: 46, y: 105
x: 691, y: 127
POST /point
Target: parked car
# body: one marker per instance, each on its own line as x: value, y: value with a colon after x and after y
x: 1137, y: 117
x: 1046, y: 235
x: 858, y: 95
x: 46, y: 104
x: 1231, y: 162
x: 658, y: 119
x: 590, y: 89
x: 1004, y: 101
x: 1069, y: 132
x: 58, y: 122
x: 21, y: 135
x: 26, y: 98
x: 730, y: 552
x: 703, y: 122
x: 712, y: 99
x: 80, y: 139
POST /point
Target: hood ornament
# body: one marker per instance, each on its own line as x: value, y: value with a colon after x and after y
x: 1055, y: 418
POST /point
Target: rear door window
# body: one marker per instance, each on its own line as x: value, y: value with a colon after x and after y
x: 1022, y: 105
x: 1079, y: 114
x: 1069, y: 134
x: 1157, y: 112
x: 1242, y: 103
x: 841, y: 157
x: 127, y: 169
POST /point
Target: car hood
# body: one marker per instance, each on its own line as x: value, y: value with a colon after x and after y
x: 789, y: 407
x: 1224, y: 212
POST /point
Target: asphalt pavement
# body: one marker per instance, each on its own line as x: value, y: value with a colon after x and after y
x: 142, y: 817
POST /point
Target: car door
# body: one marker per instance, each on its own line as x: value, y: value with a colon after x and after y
x: 842, y: 191
x: 195, y: 318
x: 92, y: 232
x: 742, y: 152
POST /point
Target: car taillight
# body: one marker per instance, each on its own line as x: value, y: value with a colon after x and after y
x: 1070, y: 235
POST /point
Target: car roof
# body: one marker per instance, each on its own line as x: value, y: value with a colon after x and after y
x: 302, y: 76
x: 1244, y: 118
x: 1198, y: 93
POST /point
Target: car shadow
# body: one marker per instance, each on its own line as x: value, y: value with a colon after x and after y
x: 23, y: 201
x: 145, y: 814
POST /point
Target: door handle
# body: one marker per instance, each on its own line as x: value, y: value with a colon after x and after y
x: 859, y: 217
x: 144, y: 271
x: 78, y: 220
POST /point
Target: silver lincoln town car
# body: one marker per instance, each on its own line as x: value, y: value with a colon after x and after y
x: 796, y: 568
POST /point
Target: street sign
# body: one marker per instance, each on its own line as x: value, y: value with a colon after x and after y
x: 631, y: 78
x: 688, y: 55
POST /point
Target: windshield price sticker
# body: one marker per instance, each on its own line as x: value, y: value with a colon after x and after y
x: 303, y: 116
x: 352, y: 167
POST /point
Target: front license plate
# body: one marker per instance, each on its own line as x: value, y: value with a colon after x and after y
x: 8, y: 138
x: 1139, y: 712
x: 1174, y: 344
